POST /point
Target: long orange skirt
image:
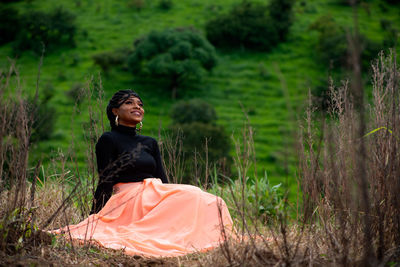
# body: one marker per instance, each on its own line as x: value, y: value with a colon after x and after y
x: 156, y: 219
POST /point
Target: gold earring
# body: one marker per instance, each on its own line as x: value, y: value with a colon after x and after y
x: 140, y: 126
x: 116, y: 120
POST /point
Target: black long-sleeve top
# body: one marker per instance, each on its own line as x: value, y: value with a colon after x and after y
x: 122, y: 157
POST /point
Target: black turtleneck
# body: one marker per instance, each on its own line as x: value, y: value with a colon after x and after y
x: 122, y: 157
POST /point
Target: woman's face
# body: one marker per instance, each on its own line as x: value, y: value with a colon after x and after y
x: 130, y: 112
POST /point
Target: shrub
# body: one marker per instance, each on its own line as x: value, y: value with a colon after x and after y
x: 109, y: 59
x: 9, y: 24
x: 75, y: 93
x: 251, y: 25
x: 53, y: 29
x: 193, y: 111
x: 195, y: 136
x: 165, y: 4
x: 332, y: 47
x: 44, y: 116
x: 391, y: 33
x: 281, y: 14
x: 175, y: 55
x: 202, y: 139
x: 332, y: 43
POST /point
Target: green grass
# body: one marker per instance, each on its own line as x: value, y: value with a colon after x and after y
x: 251, y: 79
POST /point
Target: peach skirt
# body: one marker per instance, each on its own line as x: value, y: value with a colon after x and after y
x: 155, y: 219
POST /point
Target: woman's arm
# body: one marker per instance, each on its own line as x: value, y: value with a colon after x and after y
x: 105, y: 154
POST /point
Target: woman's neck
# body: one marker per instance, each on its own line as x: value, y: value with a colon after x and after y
x: 126, y: 129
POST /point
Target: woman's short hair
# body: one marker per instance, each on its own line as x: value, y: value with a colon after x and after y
x: 116, y: 101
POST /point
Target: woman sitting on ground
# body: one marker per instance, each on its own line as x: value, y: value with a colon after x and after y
x: 134, y: 207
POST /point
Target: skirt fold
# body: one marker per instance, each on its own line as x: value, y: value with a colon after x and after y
x: 156, y: 219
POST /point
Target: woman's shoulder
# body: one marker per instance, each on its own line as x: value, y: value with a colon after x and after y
x: 106, y: 137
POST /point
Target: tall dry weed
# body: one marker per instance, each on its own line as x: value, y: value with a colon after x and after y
x: 358, y: 210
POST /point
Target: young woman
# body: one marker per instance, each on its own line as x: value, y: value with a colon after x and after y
x: 134, y: 207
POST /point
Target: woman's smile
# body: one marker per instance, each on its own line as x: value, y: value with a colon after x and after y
x: 130, y: 112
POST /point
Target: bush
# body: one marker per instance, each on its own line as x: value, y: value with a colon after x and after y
x: 194, y: 122
x: 44, y: 116
x: 252, y: 25
x: 194, y: 135
x: 9, y: 24
x: 109, y: 59
x: 175, y: 55
x: 53, y: 29
x: 193, y: 111
x: 75, y: 93
x: 281, y: 14
x: 391, y: 33
x: 194, y: 138
x: 165, y: 4
x: 267, y: 199
x: 332, y: 43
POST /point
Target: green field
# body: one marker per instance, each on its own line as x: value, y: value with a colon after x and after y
x: 271, y: 87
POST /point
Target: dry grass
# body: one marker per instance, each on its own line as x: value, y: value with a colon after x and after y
x: 357, y: 210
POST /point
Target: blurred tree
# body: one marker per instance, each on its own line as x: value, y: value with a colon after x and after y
x: 252, y: 25
x: 195, y: 120
x: 176, y: 55
x: 53, y: 29
x: 9, y: 23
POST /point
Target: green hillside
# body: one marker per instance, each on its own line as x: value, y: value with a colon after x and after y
x: 271, y: 86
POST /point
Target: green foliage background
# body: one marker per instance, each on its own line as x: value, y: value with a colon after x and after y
x: 270, y: 87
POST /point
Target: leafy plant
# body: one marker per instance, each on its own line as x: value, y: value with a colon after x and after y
x: 267, y: 200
